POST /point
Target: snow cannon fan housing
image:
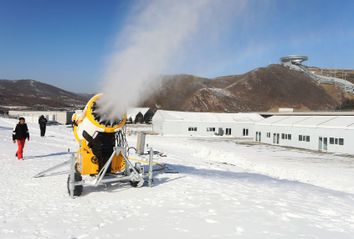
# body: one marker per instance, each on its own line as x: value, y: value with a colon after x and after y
x: 93, y: 121
x: 95, y: 133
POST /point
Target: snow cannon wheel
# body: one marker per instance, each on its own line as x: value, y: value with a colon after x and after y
x: 77, y: 188
x: 137, y: 184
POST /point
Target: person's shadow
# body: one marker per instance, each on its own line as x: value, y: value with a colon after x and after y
x: 48, y: 155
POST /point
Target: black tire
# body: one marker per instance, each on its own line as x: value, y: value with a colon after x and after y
x: 135, y: 184
x: 77, y: 188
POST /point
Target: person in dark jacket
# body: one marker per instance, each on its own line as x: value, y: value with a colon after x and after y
x: 42, y: 121
x: 20, y: 134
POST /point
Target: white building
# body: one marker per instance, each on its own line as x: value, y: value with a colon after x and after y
x: 329, y: 133
x: 61, y: 117
x: 204, y: 123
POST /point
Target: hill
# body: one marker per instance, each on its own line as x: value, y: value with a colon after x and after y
x: 35, y: 95
x: 262, y: 89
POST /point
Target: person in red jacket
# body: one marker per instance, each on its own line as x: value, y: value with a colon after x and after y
x: 20, y: 134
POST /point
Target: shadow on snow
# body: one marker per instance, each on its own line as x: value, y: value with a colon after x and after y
x: 48, y: 155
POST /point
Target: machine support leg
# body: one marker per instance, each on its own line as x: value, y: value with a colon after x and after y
x: 72, y: 176
x: 49, y: 171
x: 150, y: 167
x: 105, y: 168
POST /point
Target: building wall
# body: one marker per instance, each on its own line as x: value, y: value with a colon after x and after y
x: 182, y: 128
x: 314, y: 133
x: 62, y: 117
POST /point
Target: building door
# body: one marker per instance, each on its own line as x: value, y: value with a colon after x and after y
x: 322, y: 143
x: 275, y: 138
x: 325, y: 141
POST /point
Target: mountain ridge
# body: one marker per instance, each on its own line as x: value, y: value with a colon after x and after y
x: 262, y: 89
x: 35, y: 95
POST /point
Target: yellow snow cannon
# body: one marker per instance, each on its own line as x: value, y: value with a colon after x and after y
x: 94, y: 133
x: 102, y: 150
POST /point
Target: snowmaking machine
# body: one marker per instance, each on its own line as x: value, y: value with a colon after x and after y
x: 102, y: 150
x: 102, y: 155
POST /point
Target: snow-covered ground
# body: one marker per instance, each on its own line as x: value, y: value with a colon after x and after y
x: 223, y: 189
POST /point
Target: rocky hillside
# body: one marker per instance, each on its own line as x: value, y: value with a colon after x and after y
x: 263, y: 89
x: 30, y: 94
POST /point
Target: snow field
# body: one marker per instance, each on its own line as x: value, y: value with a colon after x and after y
x: 222, y: 189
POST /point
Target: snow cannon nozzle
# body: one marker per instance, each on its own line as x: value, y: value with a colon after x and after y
x: 97, y: 111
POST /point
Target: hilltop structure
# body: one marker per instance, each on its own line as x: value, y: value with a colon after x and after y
x: 295, y: 62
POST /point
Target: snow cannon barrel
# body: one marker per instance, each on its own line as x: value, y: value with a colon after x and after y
x: 93, y: 120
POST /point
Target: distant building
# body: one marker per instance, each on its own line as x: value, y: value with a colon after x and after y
x: 136, y: 115
x: 287, y: 110
x: 61, y: 117
x: 148, y: 116
x: 204, y: 123
x: 327, y: 133
x: 139, y: 118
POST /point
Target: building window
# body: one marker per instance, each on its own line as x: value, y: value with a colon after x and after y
x: 286, y: 136
x: 210, y: 129
x: 245, y: 132
x: 341, y: 141
x: 268, y: 134
x: 192, y: 128
x: 228, y: 131
x: 305, y: 138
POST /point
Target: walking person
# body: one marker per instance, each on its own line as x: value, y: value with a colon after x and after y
x: 20, y: 134
x: 42, y: 121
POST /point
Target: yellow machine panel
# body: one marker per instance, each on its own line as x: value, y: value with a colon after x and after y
x: 88, y: 163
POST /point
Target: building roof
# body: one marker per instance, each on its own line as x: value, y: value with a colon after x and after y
x: 294, y: 58
x: 308, y: 113
x: 339, y: 122
x: 164, y: 115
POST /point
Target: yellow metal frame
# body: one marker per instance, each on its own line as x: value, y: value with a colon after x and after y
x: 75, y: 119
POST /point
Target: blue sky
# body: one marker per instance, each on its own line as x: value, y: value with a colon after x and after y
x: 66, y: 43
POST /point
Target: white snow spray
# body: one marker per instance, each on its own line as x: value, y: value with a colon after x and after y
x: 154, y: 39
